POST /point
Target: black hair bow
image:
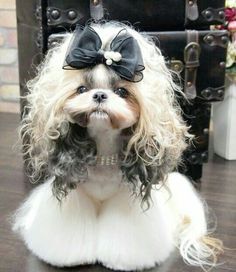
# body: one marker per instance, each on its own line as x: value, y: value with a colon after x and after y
x: 124, y: 55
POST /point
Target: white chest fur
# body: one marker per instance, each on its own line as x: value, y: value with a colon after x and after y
x: 121, y: 234
x: 103, y: 181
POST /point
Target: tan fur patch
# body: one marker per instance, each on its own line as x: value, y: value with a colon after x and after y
x: 216, y: 246
x: 186, y: 220
x: 214, y: 243
x: 133, y: 105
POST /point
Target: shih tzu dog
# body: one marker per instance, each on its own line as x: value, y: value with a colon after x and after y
x: 103, y: 133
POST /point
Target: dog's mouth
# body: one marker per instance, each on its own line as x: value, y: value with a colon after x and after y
x: 99, y: 114
x: 96, y: 114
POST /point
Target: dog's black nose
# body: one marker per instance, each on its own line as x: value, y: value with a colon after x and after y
x: 99, y: 97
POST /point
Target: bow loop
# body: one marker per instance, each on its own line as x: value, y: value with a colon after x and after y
x: 124, y: 55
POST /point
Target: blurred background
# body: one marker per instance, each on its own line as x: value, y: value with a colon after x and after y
x: 9, y: 76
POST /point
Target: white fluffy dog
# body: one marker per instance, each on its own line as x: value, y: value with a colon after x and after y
x: 105, y: 133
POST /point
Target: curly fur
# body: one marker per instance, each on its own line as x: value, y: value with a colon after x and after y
x: 159, y: 137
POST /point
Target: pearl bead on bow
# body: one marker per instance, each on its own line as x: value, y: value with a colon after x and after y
x: 112, y: 56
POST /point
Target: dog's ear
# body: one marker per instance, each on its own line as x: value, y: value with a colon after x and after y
x: 44, y: 120
x: 161, y: 135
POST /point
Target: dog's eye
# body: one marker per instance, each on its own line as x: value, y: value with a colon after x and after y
x: 81, y: 89
x: 122, y: 92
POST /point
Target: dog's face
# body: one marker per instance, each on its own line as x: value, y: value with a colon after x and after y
x: 102, y: 95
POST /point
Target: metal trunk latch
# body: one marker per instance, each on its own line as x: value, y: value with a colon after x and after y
x: 96, y: 9
x: 211, y: 14
x: 213, y: 93
x: 191, y: 58
x: 176, y: 66
x: 56, y: 16
x: 191, y: 10
x: 217, y: 39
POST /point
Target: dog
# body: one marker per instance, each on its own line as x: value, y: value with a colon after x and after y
x: 104, y: 135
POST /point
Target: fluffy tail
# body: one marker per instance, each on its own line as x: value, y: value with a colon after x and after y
x: 198, y: 250
x: 202, y: 252
x: 195, y: 223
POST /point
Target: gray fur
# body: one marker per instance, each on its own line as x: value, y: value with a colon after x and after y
x: 74, y: 152
x: 70, y: 158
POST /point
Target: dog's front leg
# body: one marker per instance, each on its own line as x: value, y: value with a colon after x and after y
x: 60, y: 233
x: 132, y: 238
